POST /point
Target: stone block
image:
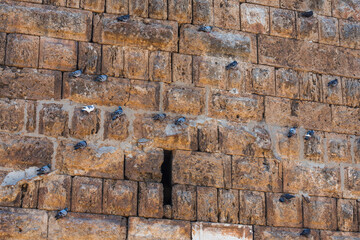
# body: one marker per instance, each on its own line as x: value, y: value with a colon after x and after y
x: 112, y: 60
x: 117, y: 6
x: 93, y: 5
x: 59, y: 3
x: 86, y: 194
x: 356, y: 145
x: 31, y: 116
x: 180, y: 11
x: 322, y: 7
x: 286, y: 148
x: 227, y: 14
x: 228, y: 205
x: 151, y: 200
x: 90, y: 57
x: 22, y: 51
x: 30, y: 196
x: 136, y: 64
x: 319, y: 213
x: 144, y: 95
x: 347, y: 215
x: 331, y: 95
x: 328, y: 30
x: 220, y: 231
x: 209, y: 71
x: 184, y: 202
x: 345, y: 119
x: 320, y: 117
x: 314, y: 147
x: 310, y: 87
x: 84, y: 124
x: 206, y: 204
x: 182, y: 68
x: 351, y: 91
x: 208, y: 136
x: 12, y: 114
x: 351, y: 182
x: 273, y: 233
x: 160, y: 66
x: 53, y: 120
x: 307, y: 28
x: 2, y: 47
x: 271, y: 3
x: 117, y: 129
x: 346, y: 9
x: 281, y: 111
x: 158, y: 9
x: 203, y: 12
x: 349, y: 34
x: 138, y: 8
x: 255, y: 18
x: 329, y: 235
x: 252, y: 208
x: 282, y: 23
x: 262, y: 79
x: 338, y: 147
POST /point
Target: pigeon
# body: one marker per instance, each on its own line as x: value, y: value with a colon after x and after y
x: 285, y: 197
x: 61, y: 213
x: 307, y: 14
x: 44, y: 170
x: 309, y: 134
x: 123, y: 18
x: 88, y: 109
x: 291, y: 132
x: 206, y: 29
x: 305, y: 232
x: 80, y: 145
x: 75, y: 74
x: 159, y: 117
x: 117, y: 113
x: 333, y: 83
x: 101, y: 78
x: 231, y: 65
x: 180, y: 121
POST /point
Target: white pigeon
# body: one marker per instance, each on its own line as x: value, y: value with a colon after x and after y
x: 88, y: 109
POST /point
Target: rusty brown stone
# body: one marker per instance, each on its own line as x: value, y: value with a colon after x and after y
x: 182, y: 68
x: 319, y: 213
x: 89, y: 57
x: 139, y: 8
x: 53, y: 120
x: 2, y: 47
x: 272, y: 233
x: 117, y: 129
x: 151, y: 200
x: 282, y: 23
x: 307, y: 28
x: 345, y: 119
x: 184, y: 202
x: 255, y: 18
x: 328, y: 30
x: 331, y: 95
x: 228, y: 205
x: 208, y: 137
x: 84, y: 123
x: 180, y: 11
x: 136, y: 64
x: 314, y: 147
x: 252, y: 208
x: 347, y: 215
x: 204, y: 231
x: 203, y: 12
x: 322, y: 7
x: 12, y: 115
x: 117, y: 6
x: 22, y: 51
x: 160, y: 66
x: 112, y: 60
x: 351, y: 91
x: 206, y: 204
x: 227, y: 14
x: 94, y: 6
x: 329, y: 235
x: 86, y: 195
x: 158, y: 9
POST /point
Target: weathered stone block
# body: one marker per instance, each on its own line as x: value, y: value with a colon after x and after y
x: 117, y: 129
x: 252, y: 208
x: 58, y: 54
x: 345, y: 119
x: 255, y: 18
x: 262, y: 79
x: 20, y: 152
x: 120, y: 197
x: 73, y: 3
x: 320, y: 117
x: 203, y: 12
x: 136, y: 64
x: 60, y: 3
x: 319, y: 213
x: 208, y: 136
x: 146, y: 33
x: 53, y: 120
x: 286, y: 148
x: 117, y: 6
x: 322, y: 7
x: 346, y: 9
x: 23, y: 223
x: 227, y: 14
x: 30, y: 84
x: 31, y: 116
x: 112, y: 60
x: 29, y: 191
x: 329, y: 235
x: 314, y: 147
x: 139, y: 8
x: 357, y: 149
x: 48, y: 21
x: 258, y: 174
x: 12, y: 115
x: 349, y: 34
x: 243, y: 45
x: 10, y: 195
x: 93, y: 5
x: 206, y: 204
x: 351, y: 91
x: 282, y: 23
x: 90, y: 57
x: 84, y: 123
x: 272, y: 3
x: 160, y: 66
x: 151, y: 200
x: 338, y: 147
x: 2, y: 47
x: 86, y: 195
x: 84, y: 226
x: 180, y: 11
x: 182, y: 68
x: 331, y: 95
x: 197, y: 168
x: 54, y: 192
x: 310, y: 87
x: 312, y: 179
x: 103, y: 161
x: 220, y: 231
x: 144, y: 95
x: 144, y: 165
x: 141, y: 228
x: 22, y: 51
x: 228, y: 205
x: 158, y: 9
x: 273, y: 233
x: 307, y: 28
x: 347, y: 215
x: 283, y: 214
x: 184, y: 202
x: 281, y: 111
x: 351, y: 182
x: 328, y: 30
x: 209, y: 71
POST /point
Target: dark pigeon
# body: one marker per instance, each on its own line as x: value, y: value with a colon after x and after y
x: 101, y: 78
x: 117, y: 113
x: 159, y: 117
x: 123, y: 18
x: 291, y: 132
x: 80, y: 145
x: 180, y: 121
x: 333, y: 83
x: 309, y: 134
x: 285, y: 197
x: 206, y: 29
x: 61, y: 213
x: 305, y: 232
x: 44, y: 170
x: 75, y: 74
x: 231, y: 65
x: 307, y: 14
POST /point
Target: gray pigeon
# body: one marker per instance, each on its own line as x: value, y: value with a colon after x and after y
x: 333, y: 83
x: 88, y: 108
x: 180, y: 121
x: 80, y: 145
x: 61, y: 213
x: 291, y: 132
x: 75, y: 74
x: 309, y: 134
x: 206, y: 29
x: 101, y: 78
x: 117, y: 113
x: 44, y: 170
x: 285, y: 197
x: 305, y: 232
x: 307, y: 14
x: 159, y: 117
x: 231, y: 65
x: 123, y: 18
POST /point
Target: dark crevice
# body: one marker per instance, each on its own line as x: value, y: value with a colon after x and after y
x: 166, y: 177
x: 24, y: 189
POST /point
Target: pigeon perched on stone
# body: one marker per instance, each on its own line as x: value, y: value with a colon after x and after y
x: 333, y: 83
x: 88, y: 108
x: 307, y: 14
x: 44, y: 170
x: 75, y: 74
x: 291, y: 132
x: 309, y: 134
x: 101, y: 78
x: 305, y: 232
x: 123, y: 18
x: 159, y: 116
x: 117, y: 113
x: 61, y: 213
x: 285, y: 197
x: 80, y: 145
x: 180, y: 121
x: 231, y: 65
x: 206, y: 29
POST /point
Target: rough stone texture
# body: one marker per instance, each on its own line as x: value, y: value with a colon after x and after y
x: 94, y: 6
x: 203, y: 12
x: 345, y: 119
x: 54, y: 192
x: 117, y: 129
x: 331, y: 95
x: 322, y: 7
x: 31, y: 116
x: 58, y: 54
x: 204, y: 169
x: 314, y: 147
x: 101, y: 160
x: 112, y: 60
x: 86, y: 195
x: 272, y: 233
x: 161, y: 229
x: 87, y: 226
x: 282, y: 23
x: 144, y: 95
x: 22, y: 50
x: 120, y: 197
x: 351, y: 91
x: 30, y: 84
x: 281, y: 111
x: 252, y: 208
x: 146, y: 33
x: 357, y: 149
x: 117, y: 6
x: 12, y: 115
x: 184, y: 202
x: 347, y: 215
x: 227, y: 14
x: 328, y: 30
x: 228, y: 204
x: 89, y: 57
x: 2, y: 47
x: 262, y: 80
x: 53, y: 120
x: 283, y: 214
x: 310, y: 87
x: 136, y: 64
x: 209, y: 71
x: 19, y: 152
x: 243, y: 45
x: 85, y: 124
x: 351, y: 182
x: 307, y: 28
x: 286, y: 148
x: 320, y: 117
x: 272, y: 3
x: 255, y: 18
x: 151, y: 200
x: 329, y: 235
x: 23, y: 223
x: 180, y: 11
x: 287, y: 83
x: 182, y: 68
x: 206, y: 204
x: 346, y: 9
x: 338, y: 147
x: 45, y: 20
x: 160, y: 66
x: 158, y: 9
x: 208, y: 135
x: 220, y: 231
x: 319, y: 213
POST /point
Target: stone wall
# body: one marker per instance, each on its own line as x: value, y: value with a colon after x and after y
x: 221, y: 173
